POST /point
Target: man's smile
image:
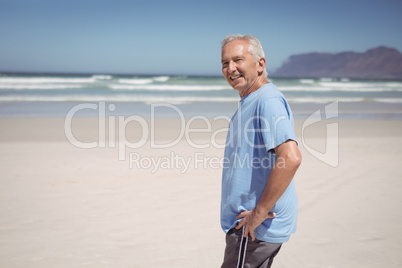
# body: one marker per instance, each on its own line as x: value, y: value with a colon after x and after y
x: 233, y: 78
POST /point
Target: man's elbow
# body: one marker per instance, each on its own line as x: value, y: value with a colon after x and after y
x: 297, y: 160
x: 293, y: 159
x: 289, y: 154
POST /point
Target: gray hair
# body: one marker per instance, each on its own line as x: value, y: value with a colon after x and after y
x: 254, y: 47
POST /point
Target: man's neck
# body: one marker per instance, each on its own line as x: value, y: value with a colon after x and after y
x: 259, y: 83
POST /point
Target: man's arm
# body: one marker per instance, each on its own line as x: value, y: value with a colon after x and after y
x: 288, y: 161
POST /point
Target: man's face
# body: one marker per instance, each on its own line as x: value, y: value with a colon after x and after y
x: 238, y: 65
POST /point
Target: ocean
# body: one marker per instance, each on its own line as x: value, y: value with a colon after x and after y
x: 53, y: 95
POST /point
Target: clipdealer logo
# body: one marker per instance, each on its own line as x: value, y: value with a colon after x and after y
x: 107, y: 138
x: 200, y: 160
x: 146, y: 129
x: 331, y: 154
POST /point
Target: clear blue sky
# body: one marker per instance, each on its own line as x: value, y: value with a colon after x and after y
x: 182, y: 37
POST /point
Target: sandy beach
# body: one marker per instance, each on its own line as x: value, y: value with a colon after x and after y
x: 114, y: 117
x: 65, y: 206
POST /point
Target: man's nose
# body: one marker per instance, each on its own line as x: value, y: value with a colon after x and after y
x: 231, y: 67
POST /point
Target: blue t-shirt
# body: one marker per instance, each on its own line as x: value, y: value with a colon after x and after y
x: 262, y: 122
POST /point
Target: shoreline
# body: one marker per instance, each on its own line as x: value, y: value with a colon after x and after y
x: 52, y: 109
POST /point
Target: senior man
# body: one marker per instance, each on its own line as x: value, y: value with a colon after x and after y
x: 259, y: 199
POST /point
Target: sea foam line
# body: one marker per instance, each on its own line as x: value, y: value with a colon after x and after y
x: 117, y: 98
x: 168, y: 87
x: 169, y: 99
x: 138, y: 85
x: 40, y: 86
x: 340, y: 88
x: 144, y: 81
x: 45, y: 80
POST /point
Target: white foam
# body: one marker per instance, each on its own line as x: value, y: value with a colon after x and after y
x: 44, y: 80
x: 169, y: 99
x: 345, y: 85
x: 136, y: 81
x: 161, y: 78
x: 324, y: 100
x: 306, y: 81
x: 118, y: 98
x: 169, y: 87
x: 354, y: 86
x: 38, y: 86
x: 388, y: 100
x: 304, y: 88
x: 393, y: 84
x: 102, y: 77
x: 350, y: 87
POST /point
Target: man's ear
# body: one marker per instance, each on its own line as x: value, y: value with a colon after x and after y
x: 261, y: 65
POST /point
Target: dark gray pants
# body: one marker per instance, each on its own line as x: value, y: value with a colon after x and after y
x: 242, y: 252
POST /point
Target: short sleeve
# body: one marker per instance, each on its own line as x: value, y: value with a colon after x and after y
x: 276, y: 121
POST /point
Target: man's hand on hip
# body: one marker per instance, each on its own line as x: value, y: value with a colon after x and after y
x: 251, y: 221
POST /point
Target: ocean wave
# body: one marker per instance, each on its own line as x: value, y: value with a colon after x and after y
x: 388, y: 100
x: 53, y: 80
x: 307, y: 81
x: 136, y: 81
x: 393, y: 84
x: 103, y: 82
x: 324, y: 100
x: 168, y: 87
x: 161, y: 78
x: 102, y: 77
x: 326, y: 79
x: 45, y: 80
x: 328, y: 99
x: 367, y: 87
x: 144, y: 81
x: 146, y: 84
x: 347, y: 85
x: 171, y: 99
x: 118, y: 98
x: 38, y: 86
x: 341, y: 87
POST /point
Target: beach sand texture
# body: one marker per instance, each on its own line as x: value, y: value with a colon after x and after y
x: 63, y: 206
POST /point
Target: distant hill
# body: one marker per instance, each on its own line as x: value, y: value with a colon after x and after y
x: 377, y: 63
